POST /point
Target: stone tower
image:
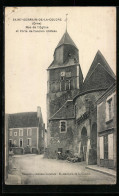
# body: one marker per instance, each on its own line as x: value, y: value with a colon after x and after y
x: 65, y: 77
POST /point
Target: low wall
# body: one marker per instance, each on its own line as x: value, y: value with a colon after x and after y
x: 17, y: 150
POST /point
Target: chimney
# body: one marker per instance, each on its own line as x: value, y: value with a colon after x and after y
x: 38, y: 111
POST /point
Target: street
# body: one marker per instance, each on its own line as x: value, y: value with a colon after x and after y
x: 33, y: 169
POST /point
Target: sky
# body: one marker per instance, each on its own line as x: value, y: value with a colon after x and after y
x: 28, y: 54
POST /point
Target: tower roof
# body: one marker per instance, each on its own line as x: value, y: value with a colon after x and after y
x: 66, y: 39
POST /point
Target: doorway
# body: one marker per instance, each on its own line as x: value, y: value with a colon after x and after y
x: 94, y: 142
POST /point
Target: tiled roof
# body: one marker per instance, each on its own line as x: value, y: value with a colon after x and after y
x: 26, y: 119
x: 100, y: 75
x: 66, y: 39
x: 53, y: 65
x: 100, y: 79
x: 65, y: 112
x: 111, y: 89
x: 99, y: 58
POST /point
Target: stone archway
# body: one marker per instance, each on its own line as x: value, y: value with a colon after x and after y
x: 84, y: 142
x: 94, y: 142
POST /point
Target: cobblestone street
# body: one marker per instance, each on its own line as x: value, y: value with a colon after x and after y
x: 35, y: 170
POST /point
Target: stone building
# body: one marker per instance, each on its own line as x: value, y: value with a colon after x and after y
x: 106, y: 128
x: 26, y: 132
x: 64, y: 81
x: 71, y: 102
x: 99, y: 78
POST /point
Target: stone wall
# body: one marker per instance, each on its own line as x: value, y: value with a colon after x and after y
x: 83, y: 102
x: 61, y: 140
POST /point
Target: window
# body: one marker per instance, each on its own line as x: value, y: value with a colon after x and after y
x: 10, y: 143
x: 10, y: 132
x: 29, y: 141
x: 42, y: 133
x: 20, y: 132
x: 109, y: 109
x: 62, y: 77
x: 20, y: 142
x: 15, y: 142
x: 62, y: 85
x: 68, y: 74
x: 110, y: 146
x: 67, y: 85
x: 15, y: 133
x: 62, y: 82
x: 63, y: 126
x: 29, y: 132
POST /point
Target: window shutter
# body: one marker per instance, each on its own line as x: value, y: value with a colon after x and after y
x: 110, y: 146
x: 107, y: 111
x: 112, y: 111
x: 101, y: 141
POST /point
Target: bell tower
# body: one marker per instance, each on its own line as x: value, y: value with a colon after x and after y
x: 65, y: 77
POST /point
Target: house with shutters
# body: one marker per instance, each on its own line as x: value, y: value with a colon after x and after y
x: 106, y: 128
x: 72, y: 113
x: 26, y: 132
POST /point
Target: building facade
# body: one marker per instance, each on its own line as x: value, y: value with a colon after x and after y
x: 71, y: 101
x: 26, y: 132
x: 106, y: 128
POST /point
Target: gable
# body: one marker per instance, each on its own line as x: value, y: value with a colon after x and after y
x: 99, y: 79
x: 99, y: 58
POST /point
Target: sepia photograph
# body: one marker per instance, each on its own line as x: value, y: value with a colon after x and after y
x: 60, y: 96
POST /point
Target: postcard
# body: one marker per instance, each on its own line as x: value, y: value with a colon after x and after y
x: 60, y: 96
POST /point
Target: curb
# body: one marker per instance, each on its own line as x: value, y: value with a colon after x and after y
x: 104, y: 172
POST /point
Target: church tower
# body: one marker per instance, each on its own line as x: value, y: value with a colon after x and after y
x: 65, y: 77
